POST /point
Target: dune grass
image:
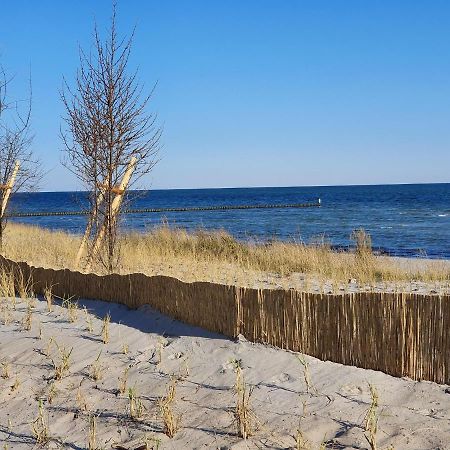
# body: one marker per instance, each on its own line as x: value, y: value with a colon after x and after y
x: 218, y: 257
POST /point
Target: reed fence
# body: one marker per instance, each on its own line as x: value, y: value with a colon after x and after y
x: 401, y: 334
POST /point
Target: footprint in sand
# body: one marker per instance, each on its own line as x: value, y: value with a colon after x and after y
x: 351, y: 389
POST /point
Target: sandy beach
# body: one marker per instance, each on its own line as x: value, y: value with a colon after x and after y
x: 325, y: 404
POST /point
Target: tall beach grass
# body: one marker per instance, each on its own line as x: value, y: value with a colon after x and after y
x: 218, y: 257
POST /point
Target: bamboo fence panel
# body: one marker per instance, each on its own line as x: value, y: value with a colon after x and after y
x: 399, y: 334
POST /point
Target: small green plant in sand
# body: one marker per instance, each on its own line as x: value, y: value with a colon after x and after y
x: 39, y: 427
x: 96, y: 369
x: 171, y: 421
x: 244, y: 416
x: 105, y: 328
x: 136, y: 407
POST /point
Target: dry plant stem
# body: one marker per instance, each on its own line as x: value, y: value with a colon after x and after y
x: 171, y: 422
x: 52, y: 392
x: 16, y: 384
x: 63, y: 366
x: 105, y: 328
x: 243, y: 414
x: 5, y: 370
x: 81, y: 400
x: 24, y: 285
x: 123, y: 380
x: 72, y: 309
x: 87, y: 316
x: 301, y: 442
x: 307, y: 375
x: 151, y: 442
x: 39, y: 427
x: 28, y: 319
x: 48, y: 296
x: 92, y: 439
x: 135, y: 404
x: 371, y: 419
x: 96, y: 369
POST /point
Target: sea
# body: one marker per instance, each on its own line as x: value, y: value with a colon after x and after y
x: 403, y: 220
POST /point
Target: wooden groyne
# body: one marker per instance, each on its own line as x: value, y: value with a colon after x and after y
x: 400, y: 334
x: 315, y: 204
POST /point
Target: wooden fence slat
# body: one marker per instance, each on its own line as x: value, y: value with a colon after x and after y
x: 399, y: 334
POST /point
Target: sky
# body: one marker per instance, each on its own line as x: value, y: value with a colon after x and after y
x: 256, y: 92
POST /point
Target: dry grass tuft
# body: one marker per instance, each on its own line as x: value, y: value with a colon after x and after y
x: 244, y: 416
x: 123, y: 380
x: 96, y: 369
x: 105, y: 328
x: 24, y: 285
x: 171, y: 421
x: 72, y: 309
x: 39, y: 427
x: 28, y: 318
x: 5, y: 370
x: 216, y: 256
x: 48, y: 296
x: 16, y: 384
x: 136, y: 407
x: 82, y: 403
x: 61, y: 366
x: 88, y: 318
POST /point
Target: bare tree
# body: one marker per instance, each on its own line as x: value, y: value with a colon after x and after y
x: 108, y: 131
x: 17, y: 162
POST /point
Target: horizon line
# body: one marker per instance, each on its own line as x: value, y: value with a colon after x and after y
x: 256, y: 187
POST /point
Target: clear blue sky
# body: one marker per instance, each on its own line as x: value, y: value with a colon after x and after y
x: 258, y: 93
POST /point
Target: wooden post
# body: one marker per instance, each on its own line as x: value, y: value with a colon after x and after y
x: 115, y: 205
x: 87, y: 233
x: 8, y: 188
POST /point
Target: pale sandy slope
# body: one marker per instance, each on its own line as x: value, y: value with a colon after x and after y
x: 414, y: 415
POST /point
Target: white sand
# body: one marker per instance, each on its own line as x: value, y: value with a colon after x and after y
x: 413, y: 415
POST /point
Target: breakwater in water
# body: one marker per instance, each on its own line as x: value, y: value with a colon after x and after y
x: 403, y: 220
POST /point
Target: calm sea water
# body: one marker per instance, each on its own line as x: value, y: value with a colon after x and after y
x: 404, y: 220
